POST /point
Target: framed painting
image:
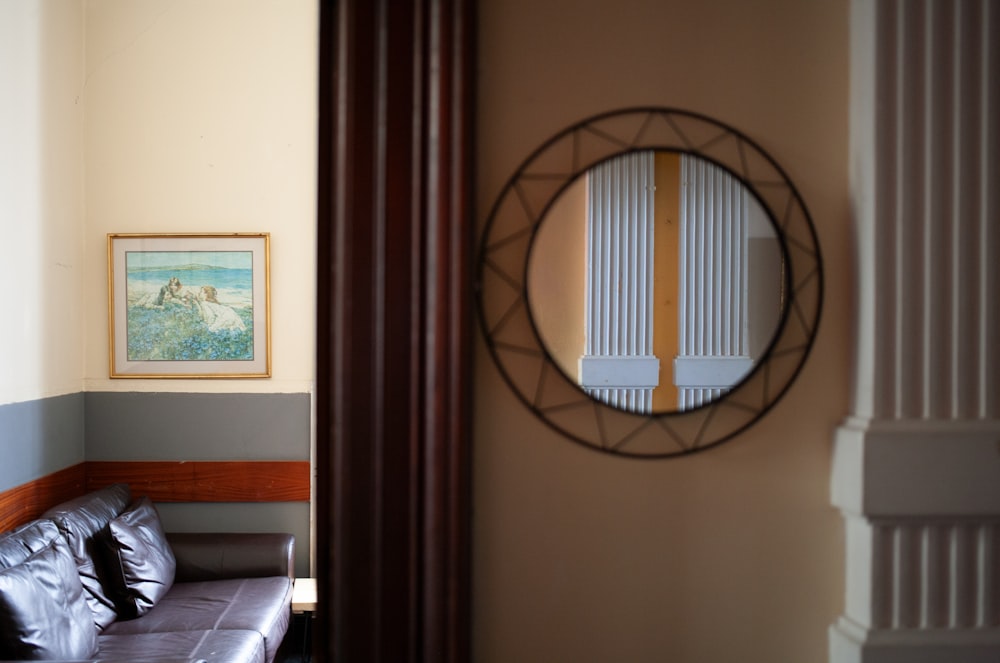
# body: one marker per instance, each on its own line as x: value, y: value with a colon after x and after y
x: 189, y: 305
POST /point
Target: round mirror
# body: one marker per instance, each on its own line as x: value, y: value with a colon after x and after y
x: 649, y: 282
x: 655, y: 281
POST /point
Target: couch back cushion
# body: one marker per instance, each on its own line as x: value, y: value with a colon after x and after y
x: 43, y: 612
x: 143, y: 559
x: 21, y: 543
x: 84, y: 523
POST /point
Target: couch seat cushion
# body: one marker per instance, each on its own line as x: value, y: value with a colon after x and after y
x: 213, y: 646
x: 255, y: 604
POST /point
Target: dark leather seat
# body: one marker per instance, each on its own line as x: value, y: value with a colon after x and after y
x: 224, y: 598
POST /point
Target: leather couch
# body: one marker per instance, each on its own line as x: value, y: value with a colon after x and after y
x: 97, y: 579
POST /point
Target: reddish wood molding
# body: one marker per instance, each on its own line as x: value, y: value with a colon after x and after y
x: 162, y: 481
x: 30, y: 500
x: 206, y: 481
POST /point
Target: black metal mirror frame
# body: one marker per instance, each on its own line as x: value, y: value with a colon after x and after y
x: 510, y: 330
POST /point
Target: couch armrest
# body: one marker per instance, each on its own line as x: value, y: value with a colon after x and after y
x: 220, y: 555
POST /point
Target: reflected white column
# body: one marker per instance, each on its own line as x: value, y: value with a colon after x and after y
x: 713, y: 334
x: 618, y: 366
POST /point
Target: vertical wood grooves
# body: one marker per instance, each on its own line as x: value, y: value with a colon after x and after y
x: 393, y: 336
x: 881, y: 603
x: 965, y: 203
x: 988, y: 585
x: 964, y: 576
x: 907, y: 583
x: 883, y: 258
x: 933, y: 599
x: 897, y: 165
x: 937, y: 70
x: 939, y: 575
x: 939, y: 124
x: 957, y: 308
x: 990, y: 140
x: 384, y: 573
x: 911, y: 114
x: 979, y: 218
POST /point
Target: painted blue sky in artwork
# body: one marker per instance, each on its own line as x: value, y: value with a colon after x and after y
x: 146, y: 260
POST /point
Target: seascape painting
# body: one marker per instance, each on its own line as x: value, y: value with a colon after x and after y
x: 189, y: 305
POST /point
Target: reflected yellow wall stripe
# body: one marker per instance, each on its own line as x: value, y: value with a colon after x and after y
x: 666, y: 257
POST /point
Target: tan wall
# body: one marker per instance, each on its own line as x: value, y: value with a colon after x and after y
x: 734, y: 554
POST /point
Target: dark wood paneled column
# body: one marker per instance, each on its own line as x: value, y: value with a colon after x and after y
x: 394, y: 326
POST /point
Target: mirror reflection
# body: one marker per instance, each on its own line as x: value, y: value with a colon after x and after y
x: 656, y: 281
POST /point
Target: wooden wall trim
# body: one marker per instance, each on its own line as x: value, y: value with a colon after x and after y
x: 162, y: 481
x: 30, y: 500
x: 206, y: 481
x: 394, y: 314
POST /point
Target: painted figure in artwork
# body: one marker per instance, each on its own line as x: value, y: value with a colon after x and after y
x: 217, y: 316
x: 171, y: 322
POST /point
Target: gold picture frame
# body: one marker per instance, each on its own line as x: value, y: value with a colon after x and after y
x: 189, y: 305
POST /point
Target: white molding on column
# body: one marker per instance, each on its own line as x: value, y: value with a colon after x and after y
x: 924, y: 590
x: 624, y: 372
x: 937, y: 574
x: 929, y: 468
x: 626, y: 382
x: 852, y: 643
x: 710, y: 371
x: 921, y: 507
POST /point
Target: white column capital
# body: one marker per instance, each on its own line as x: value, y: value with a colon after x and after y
x: 899, y: 468
x: 852, y: 643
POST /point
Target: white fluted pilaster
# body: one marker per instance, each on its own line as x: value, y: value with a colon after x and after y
x: 917, y: 466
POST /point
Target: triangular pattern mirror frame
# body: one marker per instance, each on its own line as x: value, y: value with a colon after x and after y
x: 521, y: 206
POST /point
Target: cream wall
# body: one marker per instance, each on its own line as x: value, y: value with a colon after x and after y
x: 734, y: 554
x: 149, y: 116
x: 41, y: 199
x: 201, y: 117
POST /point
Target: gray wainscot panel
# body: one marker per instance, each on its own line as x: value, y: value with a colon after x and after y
x: 40, y: 437
x: 168, y: 426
